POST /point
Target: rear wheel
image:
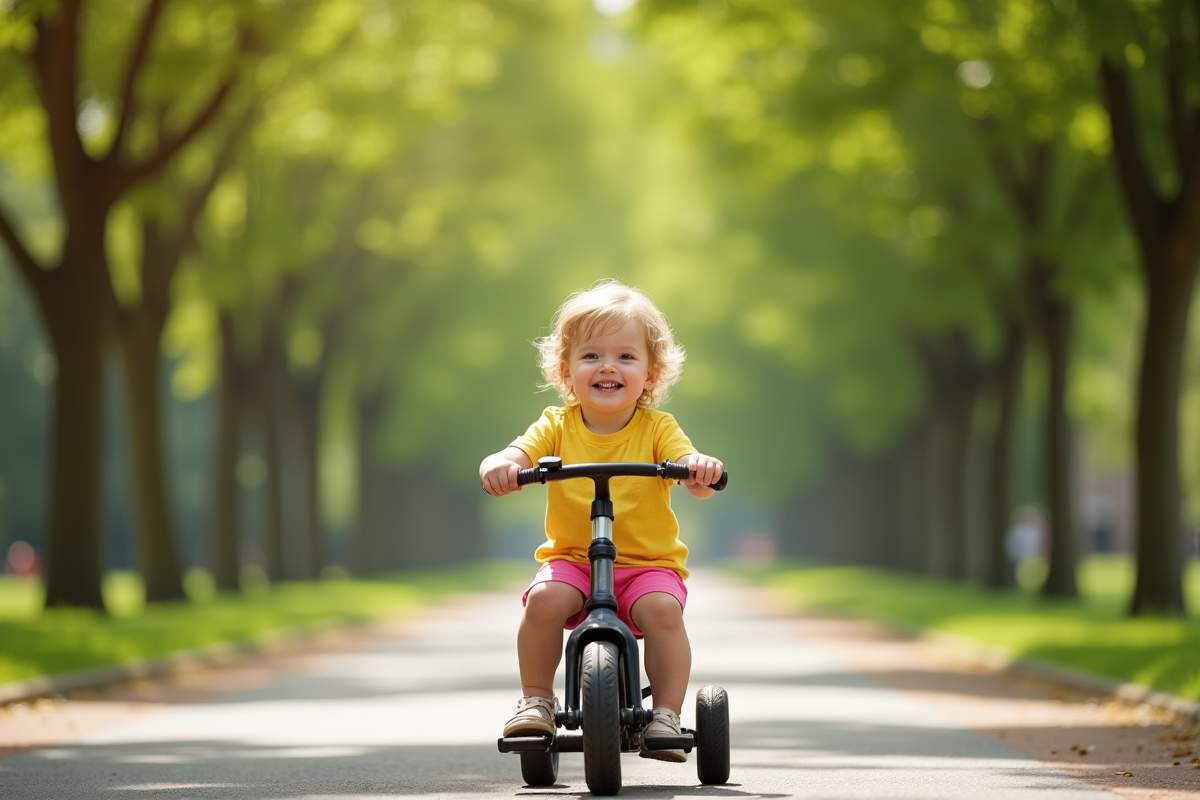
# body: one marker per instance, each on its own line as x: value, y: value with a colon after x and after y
x: 712, y: 730
x: 600, y: 701
x: 539, y: 769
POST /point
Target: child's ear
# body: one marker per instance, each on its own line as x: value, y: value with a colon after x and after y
x: 564, y: 372
x: 652, y: 377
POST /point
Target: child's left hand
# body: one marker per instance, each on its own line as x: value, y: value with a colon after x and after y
x: 706, y: 471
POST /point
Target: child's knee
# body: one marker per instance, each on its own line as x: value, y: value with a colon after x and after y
x: 657, y: 611
x: 553, y: 603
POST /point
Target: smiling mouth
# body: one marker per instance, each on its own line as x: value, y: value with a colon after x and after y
x: 607, y: 385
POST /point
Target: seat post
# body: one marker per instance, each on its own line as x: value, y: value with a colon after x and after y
x: 602, y: 552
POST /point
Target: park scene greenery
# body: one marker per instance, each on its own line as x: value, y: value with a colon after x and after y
x: 270, y: 271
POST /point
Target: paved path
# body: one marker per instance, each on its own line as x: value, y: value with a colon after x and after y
x: 418, y: 714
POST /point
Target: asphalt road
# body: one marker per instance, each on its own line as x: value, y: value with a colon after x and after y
x: 418, y: 715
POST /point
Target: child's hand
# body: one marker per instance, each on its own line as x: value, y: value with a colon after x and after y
x: 498, y: 472
x: 706, y: 471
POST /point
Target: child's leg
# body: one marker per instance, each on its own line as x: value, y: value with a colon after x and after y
x: 659, y: 617
x: 540, y: 637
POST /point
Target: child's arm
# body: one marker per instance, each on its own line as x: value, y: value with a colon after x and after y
x: 498, y: 472
x: 706, y: 471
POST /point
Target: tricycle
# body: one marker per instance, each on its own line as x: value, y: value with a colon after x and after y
x: 603, y: 715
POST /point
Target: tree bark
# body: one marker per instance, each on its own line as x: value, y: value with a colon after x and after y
x: 1003, y: 458
x: 225, y: 520
x: 1064, y: 556
x: 158, y: 554
x: 307, y: 406
x: 1159, y: 586
x: 370, y: 530
x: 273, y: 531
x: 78, y: 326
x: 961, y: 413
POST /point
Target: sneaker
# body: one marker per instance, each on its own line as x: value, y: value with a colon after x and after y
x: 665, y: 723
x: 534, y: 717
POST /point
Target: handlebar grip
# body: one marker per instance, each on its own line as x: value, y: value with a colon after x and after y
x: 679, y: 472
x: 675, y: 472
x: 528, y: 476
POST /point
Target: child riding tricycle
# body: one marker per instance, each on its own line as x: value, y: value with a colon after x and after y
x: 611, y: 356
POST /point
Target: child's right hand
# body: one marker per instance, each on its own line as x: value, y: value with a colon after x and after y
x: 498, y: 472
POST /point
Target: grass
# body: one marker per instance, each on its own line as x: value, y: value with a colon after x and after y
x: 1092, y: 633
x: 40, y: 642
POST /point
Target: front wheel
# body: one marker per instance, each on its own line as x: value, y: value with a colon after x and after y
x: 600, y: 702
x: 539, y: 769
x: 712, y: 730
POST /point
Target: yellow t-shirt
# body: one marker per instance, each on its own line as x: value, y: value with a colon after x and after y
x: 645, y: 530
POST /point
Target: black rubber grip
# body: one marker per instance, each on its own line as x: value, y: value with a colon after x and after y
x: 528, y: 476
x: 679, y: 472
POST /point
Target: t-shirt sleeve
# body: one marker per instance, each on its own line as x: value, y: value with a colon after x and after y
x: 544, y: 436
x: 670, y: 442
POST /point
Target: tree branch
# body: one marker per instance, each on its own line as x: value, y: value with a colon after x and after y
x: 154, y: 163
x: 1141, y: 199
x: 1187, y: 223
x: 184, y: 237
x: 34, y: 275
x: 55, y: 59
x: 137, y: 60
x: 1176, y: 102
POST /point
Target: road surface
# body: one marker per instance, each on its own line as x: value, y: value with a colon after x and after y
x: 821, y: 709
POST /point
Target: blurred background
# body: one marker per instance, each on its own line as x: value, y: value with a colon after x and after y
x: 270, y: 271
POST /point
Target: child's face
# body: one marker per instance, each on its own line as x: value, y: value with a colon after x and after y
x: 608, y: 370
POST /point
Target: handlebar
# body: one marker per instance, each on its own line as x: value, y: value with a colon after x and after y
x: 551, y: 468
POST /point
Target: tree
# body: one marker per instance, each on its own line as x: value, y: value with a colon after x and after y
x: 94, y: 127
x: 1154, y: 150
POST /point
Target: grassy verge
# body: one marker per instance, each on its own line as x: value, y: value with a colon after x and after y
x: 1092, y: 633
x: 35, y: 642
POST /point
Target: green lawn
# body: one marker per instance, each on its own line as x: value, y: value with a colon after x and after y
x: 1092, y: 634
x: 36, y: 642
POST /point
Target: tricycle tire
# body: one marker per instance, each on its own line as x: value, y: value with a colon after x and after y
x: 712, y: 731
x: 600, y: 702
x: 539, y: 769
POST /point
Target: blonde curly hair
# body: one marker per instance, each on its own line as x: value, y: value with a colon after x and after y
x: 607, y: 305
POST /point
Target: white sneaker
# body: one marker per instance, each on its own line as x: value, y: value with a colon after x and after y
x: 534, y: 717
x: 665, y: 723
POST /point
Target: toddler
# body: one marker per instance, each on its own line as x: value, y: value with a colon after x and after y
x: 612, y: 356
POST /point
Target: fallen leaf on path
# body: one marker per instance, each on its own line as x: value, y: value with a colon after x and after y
x: 1126, y: 774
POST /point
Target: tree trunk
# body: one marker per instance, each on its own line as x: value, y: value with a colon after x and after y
x: 273, y: 539
x: 1057, y: 324
x: 1167, y: 229
x: 1159, y: 587
x: 158, y: 553
x: 1000, y: 573
x: 909, y: 521
x: 225, y: 519
x: 956, y: 469
x: 367, y: 549
x: 77, y: 325
x: 308, y: 428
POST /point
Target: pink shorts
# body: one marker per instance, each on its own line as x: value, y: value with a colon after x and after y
x: 629, y: 584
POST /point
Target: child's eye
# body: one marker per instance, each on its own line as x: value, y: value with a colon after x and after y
x: 627, y: 356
